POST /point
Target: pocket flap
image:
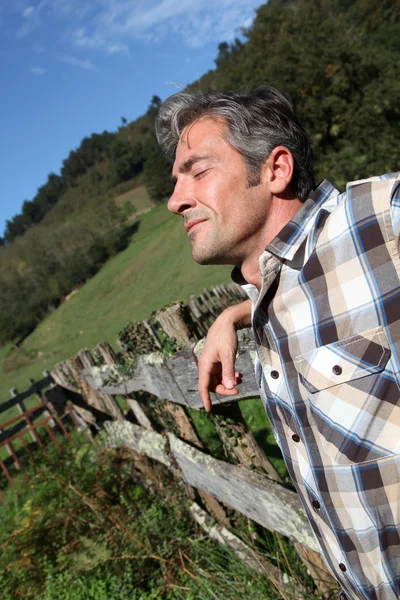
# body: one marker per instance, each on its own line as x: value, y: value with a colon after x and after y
x: 343, y: 361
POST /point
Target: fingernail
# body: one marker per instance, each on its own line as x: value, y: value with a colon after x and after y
x: 229, y: 383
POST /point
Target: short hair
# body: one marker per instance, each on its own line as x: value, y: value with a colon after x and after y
x: 256, y: 123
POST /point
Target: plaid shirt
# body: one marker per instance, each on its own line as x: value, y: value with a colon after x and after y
x: 327, y: 329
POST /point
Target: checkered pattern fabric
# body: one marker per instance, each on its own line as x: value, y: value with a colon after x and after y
x: 327, y: 329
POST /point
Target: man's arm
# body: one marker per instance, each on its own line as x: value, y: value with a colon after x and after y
x: 217, y: 361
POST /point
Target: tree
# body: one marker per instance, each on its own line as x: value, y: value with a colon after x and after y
x: 126, y: 160
x: 154, y: 105
x: 157, y: 172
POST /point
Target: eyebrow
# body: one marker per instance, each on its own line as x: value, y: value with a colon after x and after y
x: 188, y: 164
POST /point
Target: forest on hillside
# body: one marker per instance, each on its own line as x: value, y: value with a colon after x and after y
x: 338, y: 60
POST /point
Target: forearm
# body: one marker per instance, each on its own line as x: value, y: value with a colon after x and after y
x: 239, y: 315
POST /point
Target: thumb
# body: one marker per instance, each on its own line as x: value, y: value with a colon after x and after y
x: 228, y: 371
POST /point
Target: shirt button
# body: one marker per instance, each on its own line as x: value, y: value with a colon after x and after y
x: 274, y: 374
x: 316, y: 504
x: 296, y: 438
x: 337, y: 370
x: 342, y: 567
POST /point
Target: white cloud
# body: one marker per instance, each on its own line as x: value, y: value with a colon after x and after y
x: 116, y: 48
x: 110, y: 25
x: 32, y: 18
x: 115, y: 22
x: 29, y: 10
x: 77, y: 62
x: 38, y: 71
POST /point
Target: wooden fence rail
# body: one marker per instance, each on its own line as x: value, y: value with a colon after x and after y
x: 268, y: 503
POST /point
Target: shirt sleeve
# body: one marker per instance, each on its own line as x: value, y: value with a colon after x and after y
x: 395, y: 208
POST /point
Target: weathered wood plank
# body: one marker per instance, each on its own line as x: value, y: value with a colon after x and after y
x: 183, y: 427
x: 173, y: 379
x: 148, y: 373
x: 101, y: 401
x: 177, y: 323
x: 152, y: 444
x: 239, y: 441
x: 268, y: 503
x: 138, y: 409
x: 65, y: 375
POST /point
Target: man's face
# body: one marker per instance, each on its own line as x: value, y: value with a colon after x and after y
x: 223, y: 216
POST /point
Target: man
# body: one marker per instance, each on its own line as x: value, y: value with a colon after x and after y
x: 322, y: 273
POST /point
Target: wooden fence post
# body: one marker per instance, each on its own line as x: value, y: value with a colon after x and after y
x: 139, y: 409
x: 239, y: 441
x: 177, y: 324
x: 103, y: 402
x: 324, y: 581
x: 68, y: 377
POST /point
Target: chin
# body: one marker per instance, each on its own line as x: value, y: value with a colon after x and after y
x: 202, y: 259
x: 210, y: 251
x: 208, y: 258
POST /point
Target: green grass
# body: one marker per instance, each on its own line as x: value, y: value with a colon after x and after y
x: 83, y: 528
x: 156, y: 269
x: 138, y: 197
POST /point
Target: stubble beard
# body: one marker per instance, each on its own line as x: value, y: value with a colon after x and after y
x: 213, y: 250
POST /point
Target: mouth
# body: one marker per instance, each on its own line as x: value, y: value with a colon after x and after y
x: 192, y: 224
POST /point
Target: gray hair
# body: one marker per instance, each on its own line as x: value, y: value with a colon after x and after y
x: 256, y: 124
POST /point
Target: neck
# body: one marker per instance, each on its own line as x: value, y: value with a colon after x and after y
x: 280, y: 213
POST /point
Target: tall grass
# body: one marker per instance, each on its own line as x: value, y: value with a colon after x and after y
x: 86, y: 527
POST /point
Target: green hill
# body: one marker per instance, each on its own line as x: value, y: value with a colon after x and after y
x: 155, y: 269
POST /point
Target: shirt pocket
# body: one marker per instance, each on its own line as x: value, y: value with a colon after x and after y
x: 352, y: 398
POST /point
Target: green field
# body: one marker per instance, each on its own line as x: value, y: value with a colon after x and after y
x: 137, y: 197
x: 154, y: 270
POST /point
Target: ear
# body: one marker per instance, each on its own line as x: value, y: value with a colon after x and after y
x: 278, y: 168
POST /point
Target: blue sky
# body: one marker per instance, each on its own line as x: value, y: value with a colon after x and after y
x: 69, y: 68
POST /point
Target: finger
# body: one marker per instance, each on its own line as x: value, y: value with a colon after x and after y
x: 204, y: 388
x: 228, y: 370
x: 223, y: 391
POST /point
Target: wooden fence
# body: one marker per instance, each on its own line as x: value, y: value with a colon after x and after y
x: 160, y: 428
x: 160, y: 390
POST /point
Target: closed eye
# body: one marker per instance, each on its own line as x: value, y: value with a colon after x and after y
x: 200, y: 174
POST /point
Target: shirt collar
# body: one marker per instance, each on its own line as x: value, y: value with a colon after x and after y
x: 292, y: 235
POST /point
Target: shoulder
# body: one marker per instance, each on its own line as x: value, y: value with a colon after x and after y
x: 365, y: 205
x: 381, y: 186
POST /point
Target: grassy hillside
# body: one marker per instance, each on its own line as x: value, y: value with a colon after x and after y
x: 155, y: 269
x: 136, y: 200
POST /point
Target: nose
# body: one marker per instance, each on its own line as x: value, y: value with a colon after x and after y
x: 181, y: 200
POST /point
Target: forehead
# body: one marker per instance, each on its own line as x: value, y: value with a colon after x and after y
x: 205, y: 136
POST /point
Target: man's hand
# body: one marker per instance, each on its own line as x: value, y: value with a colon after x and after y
x: 217, y: 360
